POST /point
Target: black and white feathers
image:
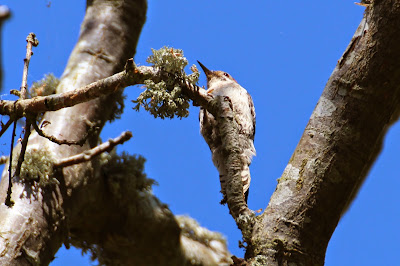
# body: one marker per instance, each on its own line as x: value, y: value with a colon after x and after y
x: 220, y: 83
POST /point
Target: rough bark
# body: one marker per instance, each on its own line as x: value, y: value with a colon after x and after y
x: 98, y: 206
x: 104, y: 205
x: 76, y: 208
x: 41, y: 218
x: 338, y: 147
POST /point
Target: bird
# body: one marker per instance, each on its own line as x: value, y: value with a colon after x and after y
x: 220, y: 83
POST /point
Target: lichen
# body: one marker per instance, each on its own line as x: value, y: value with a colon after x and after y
x: 125, y: 175
x: 38, y: 167
x: 46, y: 86
x: 193, y: 230
x: 165, y: 99
x: 246, y: 223
x: 259, y: 260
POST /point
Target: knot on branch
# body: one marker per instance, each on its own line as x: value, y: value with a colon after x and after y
x: 31, y: 38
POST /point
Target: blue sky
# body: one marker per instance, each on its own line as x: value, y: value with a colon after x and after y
x: 282, y: 52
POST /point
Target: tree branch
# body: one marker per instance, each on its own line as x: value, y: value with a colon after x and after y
x: 31, y: 41
x: 106, y: 210
x: 229, y: 130
x: 130, y: 76
x: 5, y: 126
x: 59, y: 141
x: 338, y: 147
x: 90, y: 154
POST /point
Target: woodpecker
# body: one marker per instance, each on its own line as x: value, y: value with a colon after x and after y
x: 220, y: 83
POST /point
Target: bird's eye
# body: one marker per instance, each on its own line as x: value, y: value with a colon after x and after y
x: 226, y: 74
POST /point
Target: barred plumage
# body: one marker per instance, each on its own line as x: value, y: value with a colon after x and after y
x: 220, y: 83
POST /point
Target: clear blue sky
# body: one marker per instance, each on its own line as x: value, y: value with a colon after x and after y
x: 282, y: 52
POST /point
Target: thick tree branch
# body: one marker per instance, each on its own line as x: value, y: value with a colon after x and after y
x: 94, y: 204
x: 103, y: 22
x: 338, y: 147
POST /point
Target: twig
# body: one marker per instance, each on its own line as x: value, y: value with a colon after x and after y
x: 6, y: 126
x: 60, y: 141
x: 8, y: 201
x: 3, y: 159
x: 24, y: 143
x: 89, y: 154
x: 363, y: 4
x: 31, y: 41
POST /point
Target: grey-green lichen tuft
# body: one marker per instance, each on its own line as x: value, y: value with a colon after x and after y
x: 246, y: 223
x: 165, y: 99
x: 193, y: 230
x: 38, y: 167
x: 125, y: 175
x: 259, y: 260
x: 46, y: 86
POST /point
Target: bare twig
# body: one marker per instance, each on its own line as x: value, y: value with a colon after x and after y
x: 8, y: 201
x: 60, y: 141
x: 6, y: 126
x: 31, y: 41
x: 363, y: 4
x: 24, y: 143
x: 89, y: 154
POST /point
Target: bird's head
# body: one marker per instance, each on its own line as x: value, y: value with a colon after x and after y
x: 216, y: 76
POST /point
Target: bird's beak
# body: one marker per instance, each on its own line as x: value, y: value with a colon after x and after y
x: 206, y: 70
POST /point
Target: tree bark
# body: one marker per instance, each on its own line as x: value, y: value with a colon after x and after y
x: 104, y: 206
x: 338, y: 147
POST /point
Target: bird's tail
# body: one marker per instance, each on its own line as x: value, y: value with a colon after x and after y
x: 246, y: 178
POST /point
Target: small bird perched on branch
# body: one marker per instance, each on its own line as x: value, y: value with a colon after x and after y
x: 220, y: 83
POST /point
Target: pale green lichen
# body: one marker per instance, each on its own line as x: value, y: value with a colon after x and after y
x: 46, y: 86
x: 165, y: 99
x: 38, y: 167
x: 125, y: 175
x: 193, y: 230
